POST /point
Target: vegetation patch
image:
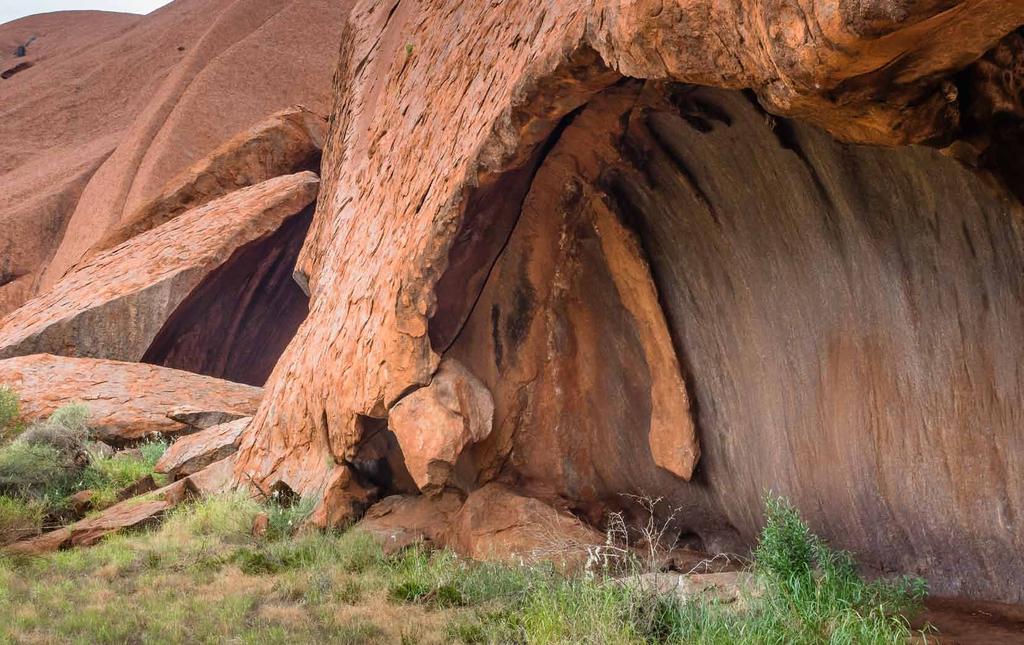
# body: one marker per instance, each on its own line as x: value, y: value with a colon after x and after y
x: 203, y: 577
x: 44, y: 464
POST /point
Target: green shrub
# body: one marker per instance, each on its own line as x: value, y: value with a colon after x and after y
x: 19, y: 518
x: 9, y: 410
x: 34, y: 471
x: 286, y: 516
x: 107, y: 475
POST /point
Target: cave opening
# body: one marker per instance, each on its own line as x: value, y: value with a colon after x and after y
x: 236, y: 324
x: 838, y: 311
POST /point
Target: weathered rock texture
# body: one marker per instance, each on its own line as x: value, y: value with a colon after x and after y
x: 287, y: 143
x: 124, y: 301
x: 589, y: 246
x: 193, y: 452
x: 115, y: 106
x: 127, y: 401
x: 435, y: 423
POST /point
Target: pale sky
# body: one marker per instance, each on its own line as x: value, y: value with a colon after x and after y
x: 13, y: 9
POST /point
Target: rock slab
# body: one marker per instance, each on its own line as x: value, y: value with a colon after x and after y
x: 127, y: 402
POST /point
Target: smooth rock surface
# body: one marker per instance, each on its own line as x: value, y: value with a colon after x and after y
x: 127, y: 401
x: 117, y: 105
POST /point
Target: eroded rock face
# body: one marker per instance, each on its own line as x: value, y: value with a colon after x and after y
x: 435, y: 423
x: 116, y: 106
x: 287, y: 143
x: 116, y: 305
x: 127, y: 401
x: 800, y: 295
x: 193, y: 452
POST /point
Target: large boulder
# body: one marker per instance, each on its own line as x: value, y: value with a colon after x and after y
x: 127, y: 402
x: 196, y: 451
x: 286, y: 143
x: 116, y: 304
x: 435, y: 423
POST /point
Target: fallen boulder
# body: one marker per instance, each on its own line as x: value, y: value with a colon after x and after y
x: 127, y: 402
x: 114, y: 305
x: 435, y: 423
x: 496, y: 523
x: 191, y: 453
x: 198, y: 419
x: 400, y: 521
x: 131, y: 513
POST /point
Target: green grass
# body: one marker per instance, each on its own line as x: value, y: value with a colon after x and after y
x: 106, y: 475
x: 202, y: 577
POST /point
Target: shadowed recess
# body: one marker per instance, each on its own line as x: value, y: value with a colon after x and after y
x: 236, y: 324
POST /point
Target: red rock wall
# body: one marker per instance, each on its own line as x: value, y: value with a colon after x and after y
x: 116, y: 106
x: 446, y: 115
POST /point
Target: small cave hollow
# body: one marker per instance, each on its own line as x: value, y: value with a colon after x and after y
x: 11, y: 71
x: 236, y: 324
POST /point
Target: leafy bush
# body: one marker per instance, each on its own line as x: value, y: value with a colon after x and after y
x: 33, y: 471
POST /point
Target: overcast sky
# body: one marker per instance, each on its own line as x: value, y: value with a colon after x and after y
x: 13, y: 9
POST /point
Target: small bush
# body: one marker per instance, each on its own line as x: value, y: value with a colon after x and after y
x: 106, y: 476
x: 46, y: 459
x: 33, y: 471
x: 286, y: 516
x: 19, y: 518
x: 9, y: 410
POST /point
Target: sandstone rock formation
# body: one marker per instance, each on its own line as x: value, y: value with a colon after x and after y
x: 117, y: 303
x: 192, y: 453
x: 127, y: 401
x: 563, y: 255
x: 631, y: 263
x: 115, y: 106
x: 435, y: 423
x: 288, y: 142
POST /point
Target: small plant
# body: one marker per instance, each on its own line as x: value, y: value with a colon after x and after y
x: 107, y: 475
x: 34, y: 471
x: 9, y: 410
x: 286, y: 514
x: 19, y: 518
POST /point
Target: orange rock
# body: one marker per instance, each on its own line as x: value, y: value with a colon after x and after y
x: 400, y: 521
x: 41, y: 544
x: 131, y: 513
x: 214, y: 479
x: 260, y: 525
x: 497, y: 523
x: 115, y: 305
x: 286, y: 143
x: 764, y: 238
x: 108, y: 113
x: 191, y: 453
x: 82, y: 502
x: 127, y: 401
x: 435, y: 423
